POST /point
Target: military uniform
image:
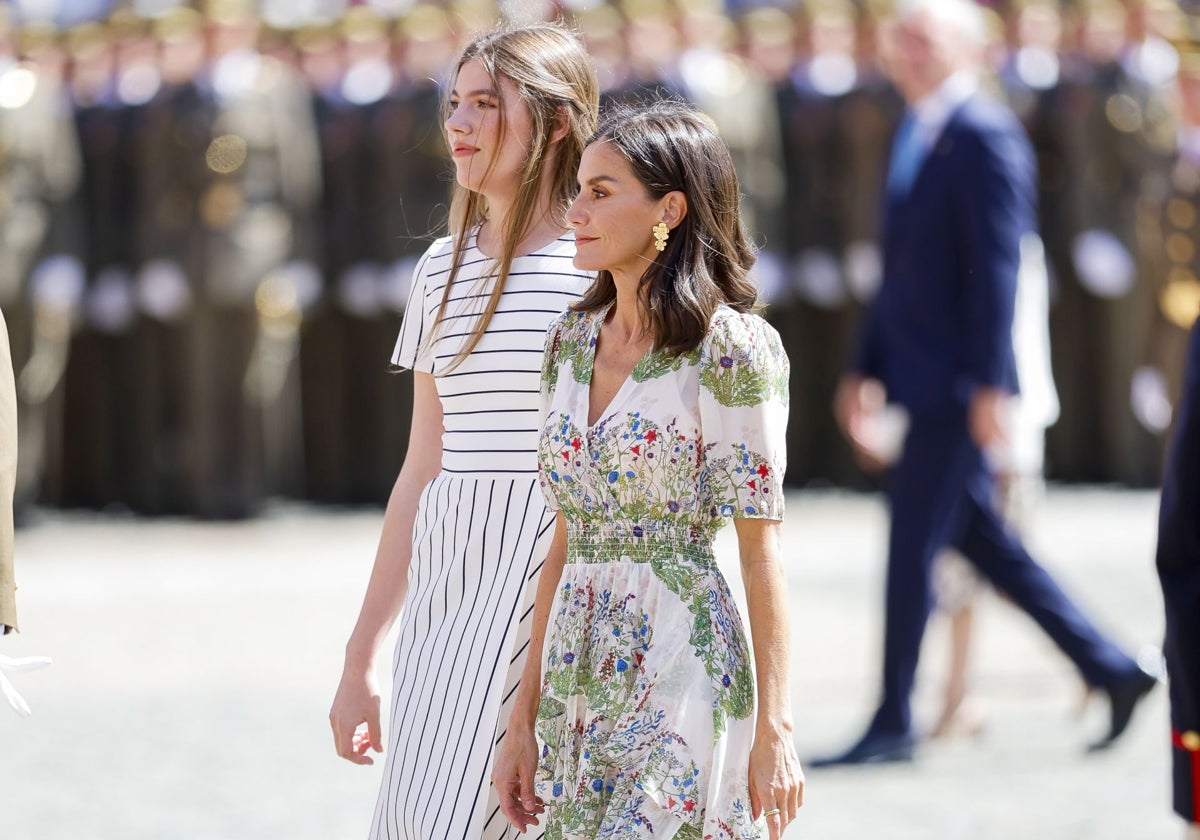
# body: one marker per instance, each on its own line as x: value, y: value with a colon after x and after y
x: 407, y: 203
x: 233, y: 171
x: 821, y: 107
x: 1120, y: 135
x: 100, y: 442
x: 386, y: 189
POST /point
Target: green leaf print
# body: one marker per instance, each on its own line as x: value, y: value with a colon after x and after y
x: 570, y: 339
x: 741, y: 385
x: 727, y: 663
x: 744, y: 363
x: 661, y: 362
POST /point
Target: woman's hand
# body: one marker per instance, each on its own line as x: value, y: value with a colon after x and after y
x: 355, y: 716
x: 776, y: 780
x: 512, y: 774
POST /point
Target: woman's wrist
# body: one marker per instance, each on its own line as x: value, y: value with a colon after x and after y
x: 360, y: 657
x: 524, y: 712
x: 777, y: 725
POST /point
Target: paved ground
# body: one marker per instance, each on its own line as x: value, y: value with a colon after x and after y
x: 194, y: 665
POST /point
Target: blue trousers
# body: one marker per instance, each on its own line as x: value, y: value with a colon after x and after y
x: 942, y: 494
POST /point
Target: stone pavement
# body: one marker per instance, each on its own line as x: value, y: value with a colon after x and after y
x: 194, y: 665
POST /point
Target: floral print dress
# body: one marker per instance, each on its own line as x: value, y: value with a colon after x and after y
x: 646, y: 715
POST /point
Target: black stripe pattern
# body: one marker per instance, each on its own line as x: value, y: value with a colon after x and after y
x: 481, y: 534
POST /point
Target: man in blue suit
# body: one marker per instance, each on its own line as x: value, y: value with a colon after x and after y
x: 938, y: 341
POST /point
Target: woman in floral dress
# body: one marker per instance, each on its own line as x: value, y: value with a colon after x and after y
x: 666, y: 408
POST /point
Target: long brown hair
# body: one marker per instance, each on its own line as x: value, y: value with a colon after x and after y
x: 671, y: 146
x: 554, y: 77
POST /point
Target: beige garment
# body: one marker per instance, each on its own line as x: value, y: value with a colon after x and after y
x: 8, y: 477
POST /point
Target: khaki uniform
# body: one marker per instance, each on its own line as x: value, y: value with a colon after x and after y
x: 8, y: 477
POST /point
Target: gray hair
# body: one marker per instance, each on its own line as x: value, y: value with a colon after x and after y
x: 964, y: 16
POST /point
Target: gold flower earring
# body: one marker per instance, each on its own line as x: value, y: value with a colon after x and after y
x: 661, y: 233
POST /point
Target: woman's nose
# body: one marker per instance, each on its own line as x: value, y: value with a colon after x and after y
x: 575, y: 215
x: 456, y: 123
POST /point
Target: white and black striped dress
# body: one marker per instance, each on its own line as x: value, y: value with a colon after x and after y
x: 482, y: 531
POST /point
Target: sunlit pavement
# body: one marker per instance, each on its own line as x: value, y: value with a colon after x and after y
x: 194, y: 665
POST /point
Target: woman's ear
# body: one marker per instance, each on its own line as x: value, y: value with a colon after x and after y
x: 674, y: 208
x: 562, y: 125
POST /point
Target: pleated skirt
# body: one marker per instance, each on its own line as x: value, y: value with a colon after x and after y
x: 478, y: 546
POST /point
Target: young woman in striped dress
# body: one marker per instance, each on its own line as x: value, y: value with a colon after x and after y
x: 466, y: 528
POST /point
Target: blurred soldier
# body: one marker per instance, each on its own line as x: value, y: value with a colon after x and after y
x: 870, y: 115
x: 817, y: 321
x: 327, y: 436
x: 167, y: 141
x: 653, y: 41
x: 726, y: 87
x: 112, y: 74
x: 382, y: 168
x: 1120, y: 130
x: 233, y: 171
x: 408, y: 203
x: 602, y: 29
x: 41, y: 280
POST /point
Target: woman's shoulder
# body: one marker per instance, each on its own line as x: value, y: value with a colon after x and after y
x: 746, y: 331
x: 555, y: 258
x: 442, y: 248
x: 571, y: 327
x: 742, y: 360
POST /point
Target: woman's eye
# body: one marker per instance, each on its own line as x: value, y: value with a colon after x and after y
x: 453, y: 104
x: 598, y: 193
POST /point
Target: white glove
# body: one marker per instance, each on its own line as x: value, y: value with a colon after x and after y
x: 18, y: 666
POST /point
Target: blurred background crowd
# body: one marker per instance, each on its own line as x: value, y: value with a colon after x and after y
x: 209, y: 218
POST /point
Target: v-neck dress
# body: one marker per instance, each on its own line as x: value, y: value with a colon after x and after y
x: 646, y: 714
x: 481, y: 533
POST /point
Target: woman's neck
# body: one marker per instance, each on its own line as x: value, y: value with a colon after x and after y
x: 543, y: 227
x: 628, y: 314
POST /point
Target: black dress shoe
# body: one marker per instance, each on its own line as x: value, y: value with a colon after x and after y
x: 1124, y: 699
x: 873, y: 748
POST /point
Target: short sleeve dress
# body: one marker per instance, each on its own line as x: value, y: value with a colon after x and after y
x: 645, y: 722
x: 481, y: 533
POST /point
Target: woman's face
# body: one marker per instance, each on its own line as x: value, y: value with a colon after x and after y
x: 474, y: 136
x: 612, y: 215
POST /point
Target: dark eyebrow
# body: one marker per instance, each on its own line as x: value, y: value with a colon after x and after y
x: 596, y: 180
x: 492, y: 92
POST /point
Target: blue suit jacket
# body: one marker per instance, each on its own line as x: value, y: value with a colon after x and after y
x: 941, y: 324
